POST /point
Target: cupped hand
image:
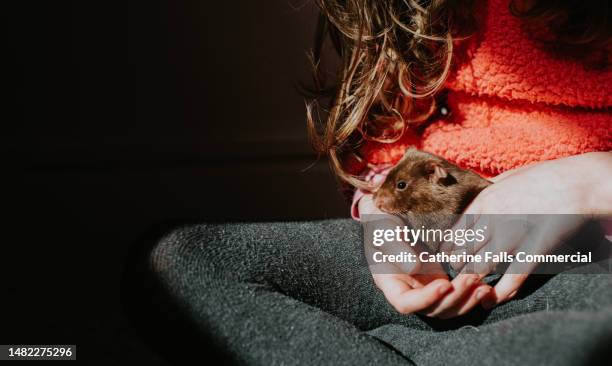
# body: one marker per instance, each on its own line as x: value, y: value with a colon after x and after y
x: 414, y: 287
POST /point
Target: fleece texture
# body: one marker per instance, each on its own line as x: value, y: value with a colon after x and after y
x: 301, y: 294
x: 512, y: 103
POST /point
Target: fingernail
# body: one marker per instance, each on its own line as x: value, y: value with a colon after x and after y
x: 488, y: 303
x: 444, y: 288
x: 512, y: 295
x: 481, y: 293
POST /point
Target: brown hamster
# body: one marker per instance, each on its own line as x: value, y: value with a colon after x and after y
x: 426, y: 190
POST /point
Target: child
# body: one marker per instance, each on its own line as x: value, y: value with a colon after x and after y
x: 518, y: 89
x: 489, y: 86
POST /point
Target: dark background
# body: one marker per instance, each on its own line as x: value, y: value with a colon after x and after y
x: 123, y: 116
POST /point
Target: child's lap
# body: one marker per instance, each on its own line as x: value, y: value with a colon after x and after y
x: 321, y: 264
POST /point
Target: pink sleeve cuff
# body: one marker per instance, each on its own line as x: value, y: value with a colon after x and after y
x: 376, y: 176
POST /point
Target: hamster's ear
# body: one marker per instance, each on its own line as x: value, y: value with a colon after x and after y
x: 435, y: 171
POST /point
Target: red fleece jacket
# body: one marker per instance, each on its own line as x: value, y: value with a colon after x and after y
x: 512, y: 103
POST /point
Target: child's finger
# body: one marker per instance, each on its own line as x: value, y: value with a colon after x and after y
x: 468, y: 302
x: 418, y: 299
x: 517, y: 272
x: 506, y: 289
x: 407, y: 300
x: 462, y: 286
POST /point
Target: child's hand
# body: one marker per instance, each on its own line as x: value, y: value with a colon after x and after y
x: 575, y: 185
x: 415, y: 287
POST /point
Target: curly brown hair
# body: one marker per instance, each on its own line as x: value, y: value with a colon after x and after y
x: 395, y: 56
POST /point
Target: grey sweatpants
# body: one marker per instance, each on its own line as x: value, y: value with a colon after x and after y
x: 299, y: 293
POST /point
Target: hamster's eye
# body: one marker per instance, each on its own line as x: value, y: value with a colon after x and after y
x: 401, y: 185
